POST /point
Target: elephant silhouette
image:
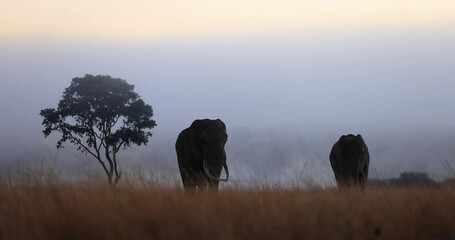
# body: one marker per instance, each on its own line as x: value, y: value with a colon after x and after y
x: 201, y: 155
x: 350, y: 159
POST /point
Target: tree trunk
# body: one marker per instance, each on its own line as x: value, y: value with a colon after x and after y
x: 111, y: 168
x: 113, y: 180
x: 109, y: 179
x: 117, y: 179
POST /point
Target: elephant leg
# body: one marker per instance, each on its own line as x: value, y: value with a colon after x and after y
x: 364, y: 173
x: 341, y: 179
x: 190, y: 189
x: 213, y: 184
x: 201, y: 182
x: 188, y: 179
x: 345, y: 181
x: 363, y: 180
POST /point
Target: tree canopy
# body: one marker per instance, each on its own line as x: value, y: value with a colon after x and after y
x: 100, y: 115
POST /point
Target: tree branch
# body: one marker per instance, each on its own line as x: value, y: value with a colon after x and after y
x: 109, y: 128
x: 94, y: 133
x: 118, y: 174
x: 115, y: 162
x: 97, y: 148
x: 91, y: 153
x: 119, y: 147
x: 116, y: 120
x: 83, y: 146
x: 99, y: 137
x: 104, y: 166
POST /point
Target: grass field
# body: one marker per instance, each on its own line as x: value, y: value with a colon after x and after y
x: 96, y: 211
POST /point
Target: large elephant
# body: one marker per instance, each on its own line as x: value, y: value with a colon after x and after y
x: 350, y: 159
x: 201, y: 155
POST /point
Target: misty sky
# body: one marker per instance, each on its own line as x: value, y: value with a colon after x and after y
x: 288, y: 78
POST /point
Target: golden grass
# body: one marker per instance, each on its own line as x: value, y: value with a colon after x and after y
x: 95, y: 211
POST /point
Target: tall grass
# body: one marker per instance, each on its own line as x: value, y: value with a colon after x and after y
x: 92, y: 210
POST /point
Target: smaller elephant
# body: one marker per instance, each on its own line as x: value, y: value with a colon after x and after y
x: 201, y: 155
x: 350, y: 159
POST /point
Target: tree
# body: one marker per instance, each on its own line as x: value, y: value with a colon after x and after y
x: 100, y: 115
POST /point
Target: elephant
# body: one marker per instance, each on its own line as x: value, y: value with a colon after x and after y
x: 201, y: 155
x: 350, y: 159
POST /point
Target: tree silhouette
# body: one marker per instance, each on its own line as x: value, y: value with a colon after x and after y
x: 100, y: 115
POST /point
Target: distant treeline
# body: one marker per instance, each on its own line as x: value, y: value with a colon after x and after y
x: 409, y: 179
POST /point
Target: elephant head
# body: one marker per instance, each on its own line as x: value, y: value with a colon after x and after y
x: 350, y: 159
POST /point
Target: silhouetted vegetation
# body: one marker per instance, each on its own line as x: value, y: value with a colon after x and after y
x: 406, y: 179
x: 101, y: 115
x: 413, y: 179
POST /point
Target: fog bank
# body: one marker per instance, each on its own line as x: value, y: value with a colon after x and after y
x: 285, y: 98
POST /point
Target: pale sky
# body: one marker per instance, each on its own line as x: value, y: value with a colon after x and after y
x: 143, y: 20
x: 287, y: 77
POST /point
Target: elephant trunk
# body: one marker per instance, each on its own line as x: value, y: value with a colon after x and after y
x: 210, y: 175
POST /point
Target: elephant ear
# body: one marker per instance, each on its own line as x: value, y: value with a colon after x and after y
x: 341, y: 138
x: 223, y: 126
x: 359, y: 138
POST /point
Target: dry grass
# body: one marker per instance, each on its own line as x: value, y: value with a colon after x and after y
x: 95, y: 211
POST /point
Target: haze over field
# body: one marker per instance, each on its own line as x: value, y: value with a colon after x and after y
x: 288, y: 78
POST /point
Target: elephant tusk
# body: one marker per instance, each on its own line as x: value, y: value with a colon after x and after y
x: 226, y: 169
x: 210, y: 175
